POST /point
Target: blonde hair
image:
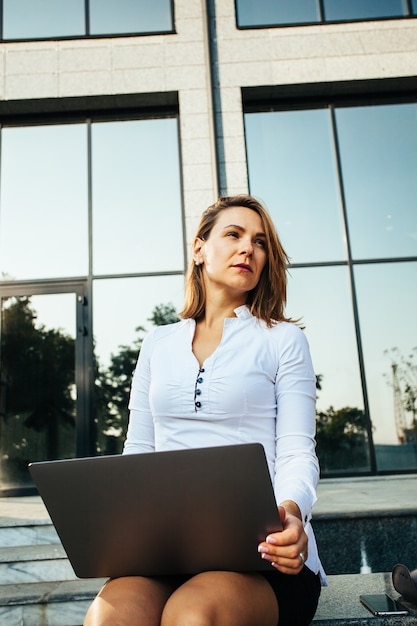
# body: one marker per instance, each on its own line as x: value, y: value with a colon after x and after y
x: 267, y: 300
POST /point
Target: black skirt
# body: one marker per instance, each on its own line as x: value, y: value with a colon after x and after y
x: 297, y: 596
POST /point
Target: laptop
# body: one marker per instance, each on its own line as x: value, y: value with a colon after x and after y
x: 161, y: 513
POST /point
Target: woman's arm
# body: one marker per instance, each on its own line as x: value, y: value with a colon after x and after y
x: 296, y: 464
x: 140, y: 433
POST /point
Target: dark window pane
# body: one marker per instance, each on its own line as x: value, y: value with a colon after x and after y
x: 292, y: 168
x: 32, y: 19
x: 270, y: 12
x: 137, y: 210
x: 130, y: 16
x: 414, y: 6
x: 44, y: 189
x: 121, y: 306
x: 363, y: 9
x: 378, y: 147
x: 38, y: 392
x: 387, y: 298
x: 329, y: 326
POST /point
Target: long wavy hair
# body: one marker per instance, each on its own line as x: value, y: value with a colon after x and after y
x: 267, y: 300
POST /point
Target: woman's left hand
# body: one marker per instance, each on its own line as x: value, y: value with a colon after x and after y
x: 287, y: 549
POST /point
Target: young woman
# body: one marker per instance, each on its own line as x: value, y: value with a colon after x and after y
x: 233, y: 370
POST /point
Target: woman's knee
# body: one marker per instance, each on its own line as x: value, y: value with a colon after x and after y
x: 221, y: 598
x: 128, y: 601
x: 193, y: 613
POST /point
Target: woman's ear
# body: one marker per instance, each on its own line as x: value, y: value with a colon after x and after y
x: 197, y: 246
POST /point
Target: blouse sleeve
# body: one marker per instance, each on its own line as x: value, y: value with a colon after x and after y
x: 296, y: 464
x: 140, y: 433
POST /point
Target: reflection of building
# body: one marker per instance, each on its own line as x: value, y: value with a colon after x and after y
x: 113, y: 143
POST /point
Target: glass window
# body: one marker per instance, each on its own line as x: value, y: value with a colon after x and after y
x: 335, y: 10
x: 264, y: 12
x: 292, y: 164
x: 387, y: 297
x: 291, y: 167
x: 37, y: 377
x: 43, y: 202
x: 27, y: 19
x: 378, y: 147
x: 137, y: 215
x: 321, y: 297
x: 126, y: 16
x: 123, y: 309
x: 275, y: 12
x: 414, y: 6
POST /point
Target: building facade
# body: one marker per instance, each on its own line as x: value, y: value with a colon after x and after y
x: 121, y: 122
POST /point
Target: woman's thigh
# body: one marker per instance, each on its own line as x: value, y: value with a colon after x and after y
x: 222, y: 599
x: 133, y: 600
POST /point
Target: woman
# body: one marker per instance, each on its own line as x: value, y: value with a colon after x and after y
x: 233, y: 370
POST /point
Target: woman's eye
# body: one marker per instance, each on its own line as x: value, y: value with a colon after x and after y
x: 232, y: 234
x: 260, y: 242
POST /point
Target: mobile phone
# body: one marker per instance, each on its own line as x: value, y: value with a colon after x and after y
x: 382, y: 604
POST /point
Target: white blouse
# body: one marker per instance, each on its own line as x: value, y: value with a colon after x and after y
x: 257, y: 386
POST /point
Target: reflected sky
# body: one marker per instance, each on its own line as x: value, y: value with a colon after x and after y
x: 320, y: 296
x: 124, y: 16
x: 43, y: 200
x: 56, y: 311
x: 387, y: 294
x: 29, y: 19
x: 137, y: 214
x: 273, y: 12
x: 136, y: 198
x: 292, y: 168
x: 378, y: 147
x: 259, y: 12
x: 363, y: 9
x: 129, y: 303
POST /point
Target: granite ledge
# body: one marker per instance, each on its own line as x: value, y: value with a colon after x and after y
x: 339, y: 602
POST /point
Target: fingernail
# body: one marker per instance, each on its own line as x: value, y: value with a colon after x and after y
x: 262, y: 549
x: 270, y: 540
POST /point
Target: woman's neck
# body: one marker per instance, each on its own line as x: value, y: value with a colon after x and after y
x: 218, y: 309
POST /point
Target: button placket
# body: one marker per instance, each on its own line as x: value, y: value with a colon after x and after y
x: 197, y: 390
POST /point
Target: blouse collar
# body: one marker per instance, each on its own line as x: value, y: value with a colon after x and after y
x: 242, y: 312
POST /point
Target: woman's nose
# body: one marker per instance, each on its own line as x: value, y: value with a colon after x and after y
x: 247, y: 247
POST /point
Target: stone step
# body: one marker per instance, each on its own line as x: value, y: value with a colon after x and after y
x: 66, y: 603
x: 27, y: 533
x: 48, y: 603
x: 34, y: 563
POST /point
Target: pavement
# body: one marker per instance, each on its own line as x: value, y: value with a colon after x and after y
x: 367, y: 494
x: 336, y: 497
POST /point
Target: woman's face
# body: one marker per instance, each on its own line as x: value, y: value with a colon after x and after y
x: 234, y: 254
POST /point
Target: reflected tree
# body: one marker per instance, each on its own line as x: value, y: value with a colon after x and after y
x: 113, y: 385
x: 37, y: 381
x: 341, y: 437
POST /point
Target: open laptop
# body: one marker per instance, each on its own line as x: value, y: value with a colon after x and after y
x: 161, y: 513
